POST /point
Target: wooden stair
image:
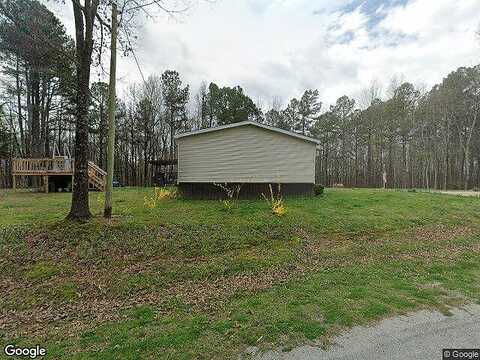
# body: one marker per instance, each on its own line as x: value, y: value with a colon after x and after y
x: 97, y: 177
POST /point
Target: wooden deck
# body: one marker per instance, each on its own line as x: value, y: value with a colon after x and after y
x: 59, y: 166
x: 42, y: 167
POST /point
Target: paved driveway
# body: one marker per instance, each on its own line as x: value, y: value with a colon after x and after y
x: 421, y: 335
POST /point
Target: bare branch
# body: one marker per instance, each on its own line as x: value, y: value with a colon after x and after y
x: 158, y: 3
x: 102, y: 22
x: 134, y: 55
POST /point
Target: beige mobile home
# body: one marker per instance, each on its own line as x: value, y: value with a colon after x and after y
x: 247, y: 153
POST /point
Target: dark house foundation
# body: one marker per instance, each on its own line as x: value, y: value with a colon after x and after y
x: 210, y: 191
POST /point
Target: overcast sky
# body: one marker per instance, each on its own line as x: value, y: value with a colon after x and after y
x: 279, y: 48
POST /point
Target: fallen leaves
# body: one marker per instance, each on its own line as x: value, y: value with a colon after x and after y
x: 95, y: 305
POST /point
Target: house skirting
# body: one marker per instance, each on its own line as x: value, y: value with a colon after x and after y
x: 205, y: 191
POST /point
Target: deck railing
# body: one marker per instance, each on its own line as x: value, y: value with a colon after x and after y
x: 42, y: 166
x: 97, y: 177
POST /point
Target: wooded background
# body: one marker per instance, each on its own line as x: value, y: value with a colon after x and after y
x: 421, y: 138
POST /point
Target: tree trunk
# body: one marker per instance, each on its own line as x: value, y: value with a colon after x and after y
x: 172, y: 134
x: 111, y: 116
x: 369, y: 161
x: 19, y: 105
x: 467, y: 169
x: 84, y: 21
x: 101, y: 154
x: 35, y: 91
x: 80, y: 206
x: 28, y: 135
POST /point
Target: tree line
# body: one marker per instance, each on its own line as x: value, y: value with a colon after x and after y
x: 403, y: 137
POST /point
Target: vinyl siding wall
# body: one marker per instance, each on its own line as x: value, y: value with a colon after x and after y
x: 245, y: 154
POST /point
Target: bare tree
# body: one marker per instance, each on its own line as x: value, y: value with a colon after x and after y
x: 89, y: 15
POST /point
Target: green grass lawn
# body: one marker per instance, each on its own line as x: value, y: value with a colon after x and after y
x: 193, y: 280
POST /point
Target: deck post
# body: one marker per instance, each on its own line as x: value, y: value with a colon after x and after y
x: 14, y: 182
x: 45, y: 183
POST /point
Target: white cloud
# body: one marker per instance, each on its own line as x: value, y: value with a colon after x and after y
x: 281, y: 47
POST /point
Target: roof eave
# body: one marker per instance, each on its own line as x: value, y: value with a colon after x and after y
x: 243, y: 123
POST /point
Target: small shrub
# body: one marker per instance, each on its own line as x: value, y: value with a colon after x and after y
x: 232, y: 192
x: 149, y: 202
x: 164, y: 193
x: 318, y: 189
x: 159, y: 194
x: 275, y: 201
x: 278, y: 208
x: 228, y: 204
